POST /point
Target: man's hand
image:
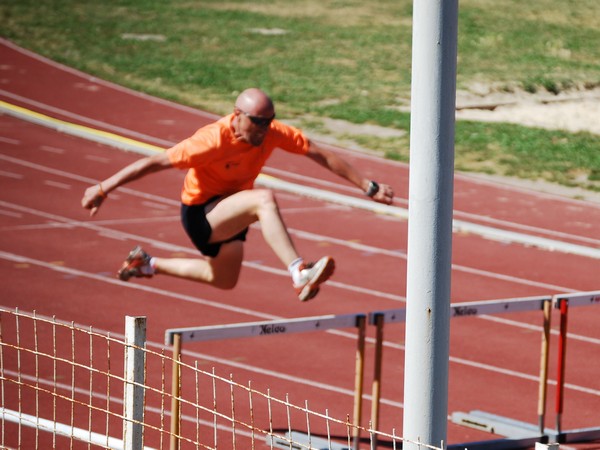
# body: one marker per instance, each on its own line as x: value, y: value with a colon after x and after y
x: 93, y: 198
x: 385, y: 194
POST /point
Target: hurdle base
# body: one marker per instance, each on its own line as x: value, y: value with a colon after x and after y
x: 497, y: 444
x: 304, y: 439
x: 517, y: 434
x: 494, y: 424
x: 576, y: 436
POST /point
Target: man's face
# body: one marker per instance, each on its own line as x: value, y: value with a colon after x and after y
x: 253, y: 128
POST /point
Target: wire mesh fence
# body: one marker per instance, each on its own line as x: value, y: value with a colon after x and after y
x: 66, y: 386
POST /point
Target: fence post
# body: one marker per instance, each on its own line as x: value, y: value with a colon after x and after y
x: 133, y: 405
x: 361, y: 323
x: 379, y: 320
x: 175, y: 392
x: 543, y: 386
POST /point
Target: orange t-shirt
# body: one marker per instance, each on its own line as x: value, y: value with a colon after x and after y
x: 220, y: 164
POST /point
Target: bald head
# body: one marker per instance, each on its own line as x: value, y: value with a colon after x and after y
x: 255, y: 102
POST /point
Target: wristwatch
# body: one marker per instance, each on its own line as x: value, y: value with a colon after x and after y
x: 373, y: 189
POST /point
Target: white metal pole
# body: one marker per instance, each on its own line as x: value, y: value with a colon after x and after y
x: 133, y: 406
x: 435, y: 27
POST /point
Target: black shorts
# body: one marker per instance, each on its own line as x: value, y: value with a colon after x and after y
x: 193, y: 218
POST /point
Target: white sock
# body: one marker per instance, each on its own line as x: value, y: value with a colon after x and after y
x: 293, y: 269
x: 149, y: 269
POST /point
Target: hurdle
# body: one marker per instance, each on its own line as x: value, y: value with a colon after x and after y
x: 519, y: 434
x: 467, y: 309
x: 177, y: 336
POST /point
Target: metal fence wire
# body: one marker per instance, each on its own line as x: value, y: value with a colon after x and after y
x: 64, y: 385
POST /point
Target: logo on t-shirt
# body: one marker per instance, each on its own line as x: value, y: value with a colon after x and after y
x: 231, y: 164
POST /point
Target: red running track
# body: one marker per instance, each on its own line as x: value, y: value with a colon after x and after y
x: 494, y: 363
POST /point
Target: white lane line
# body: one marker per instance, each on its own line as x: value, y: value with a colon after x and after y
x: 54, y: 150
x: 58, y: 185
x: 6, y: 213
x: 13, y: 175
x: 10, y: 141
x: 98, y: 159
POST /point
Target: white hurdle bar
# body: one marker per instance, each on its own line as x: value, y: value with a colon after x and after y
x: 262, y: 329
x: 176, y: 336
x: 579, y: 299
x: 472, y: 308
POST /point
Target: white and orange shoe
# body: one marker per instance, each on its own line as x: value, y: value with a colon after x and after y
x: 312, y: 275
x: 136, y: 265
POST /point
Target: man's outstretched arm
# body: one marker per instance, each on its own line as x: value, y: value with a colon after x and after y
x: 379, y: 192
x: 95, y: 195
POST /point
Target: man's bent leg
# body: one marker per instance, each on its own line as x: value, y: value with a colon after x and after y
x: 222, y: 271
x: 240, y: 210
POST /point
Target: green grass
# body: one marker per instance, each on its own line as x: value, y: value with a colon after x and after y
x: 343, y: 59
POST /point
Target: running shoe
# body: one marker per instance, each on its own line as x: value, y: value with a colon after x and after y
x: 312, y: 275
x: 136, y: 265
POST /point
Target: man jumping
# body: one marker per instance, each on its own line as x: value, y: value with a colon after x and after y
x: 219, y: 201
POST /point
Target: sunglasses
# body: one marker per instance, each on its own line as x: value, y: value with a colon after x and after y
x: 259, y: 121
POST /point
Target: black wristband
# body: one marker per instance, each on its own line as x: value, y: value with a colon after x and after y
x: 373, y: 189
